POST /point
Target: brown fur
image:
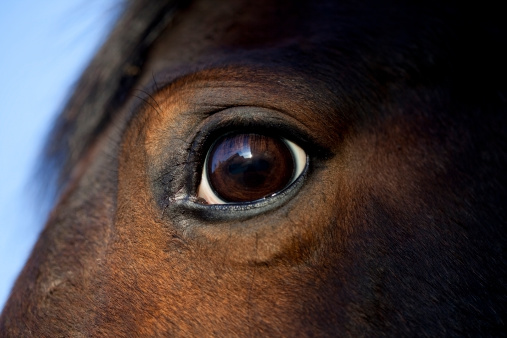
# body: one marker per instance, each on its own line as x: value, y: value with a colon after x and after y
x: 397, y: 229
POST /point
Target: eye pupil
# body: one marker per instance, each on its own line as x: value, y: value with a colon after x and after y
x: 247, y: 167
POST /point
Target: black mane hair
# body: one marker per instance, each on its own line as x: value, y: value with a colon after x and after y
x: 104, y: 85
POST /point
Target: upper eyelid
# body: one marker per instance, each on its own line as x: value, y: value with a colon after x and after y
x: 230, y: 77
x: 212, y: 89
x: 269, y: 121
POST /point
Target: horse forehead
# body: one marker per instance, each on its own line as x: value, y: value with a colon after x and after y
x: 208, y: 30
x: 338, y: 42
x: 310, y: 39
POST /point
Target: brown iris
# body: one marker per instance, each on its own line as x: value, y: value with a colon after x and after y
x: 247, y: 167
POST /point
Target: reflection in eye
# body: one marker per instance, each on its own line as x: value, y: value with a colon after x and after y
x: 247, y: 167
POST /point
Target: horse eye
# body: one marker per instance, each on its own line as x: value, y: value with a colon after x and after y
x: 243, y: 168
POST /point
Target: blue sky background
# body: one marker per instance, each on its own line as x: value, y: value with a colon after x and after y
x: 44, y: 46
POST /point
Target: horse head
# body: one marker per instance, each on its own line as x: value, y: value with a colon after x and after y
x: 278, y: 168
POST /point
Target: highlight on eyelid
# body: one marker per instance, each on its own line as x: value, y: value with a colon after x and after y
x: 245, y: 167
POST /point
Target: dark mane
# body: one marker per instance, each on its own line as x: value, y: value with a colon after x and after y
x: 105, y: 84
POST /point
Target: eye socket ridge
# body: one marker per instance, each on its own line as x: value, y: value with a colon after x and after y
x: 246, y: 167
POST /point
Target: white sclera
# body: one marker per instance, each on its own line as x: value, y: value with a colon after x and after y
x: 204, y: 191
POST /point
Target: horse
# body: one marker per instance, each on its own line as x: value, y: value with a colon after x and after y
x: 278, y: 168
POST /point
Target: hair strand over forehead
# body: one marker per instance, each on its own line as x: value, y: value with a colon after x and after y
x: 105, y: 84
